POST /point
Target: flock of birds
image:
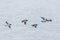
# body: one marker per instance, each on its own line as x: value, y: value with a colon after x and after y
x: 33, y: 25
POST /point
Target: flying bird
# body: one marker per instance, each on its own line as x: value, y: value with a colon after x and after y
x: 46, y: 20
x: 8, y: 24
x: 24, y: 21
x: 34, y: 25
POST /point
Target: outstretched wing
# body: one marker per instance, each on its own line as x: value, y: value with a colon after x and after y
x: 9, y: 26
x: 22, y: 20
x: 6, y: 22
x: 43, y: 18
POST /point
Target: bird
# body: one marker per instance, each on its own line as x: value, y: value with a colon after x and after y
x: 24, y: 21
x: 34, y: 25
x: 46, y: 20
x: 8, y: 24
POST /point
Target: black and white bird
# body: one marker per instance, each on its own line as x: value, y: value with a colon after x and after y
x: 8, y: 24
x: 34, y: 25
x: 24, y: 21
x: 46, y: 20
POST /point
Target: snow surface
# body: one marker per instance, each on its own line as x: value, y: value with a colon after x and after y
x: 14, y: 11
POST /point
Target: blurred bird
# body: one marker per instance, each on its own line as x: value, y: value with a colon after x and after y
x: 24, y: 21
x: 8, y: 24
x: 46, y: 20
x: 34, y: 25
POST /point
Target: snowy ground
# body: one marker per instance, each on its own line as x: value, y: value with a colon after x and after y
x: 14, y: 11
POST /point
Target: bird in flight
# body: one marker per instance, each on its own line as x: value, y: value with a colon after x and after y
x: 46, y: 20
x: 24, y: 21
x: 8, y: 24
x: 34, y: 25
x: 43, y: 18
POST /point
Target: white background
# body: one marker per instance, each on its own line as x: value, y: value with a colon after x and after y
x: 14, y: 11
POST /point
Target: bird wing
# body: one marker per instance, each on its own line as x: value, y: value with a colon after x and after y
x: 9, y: 26
x: 43, y: 18
x: 6, y: 22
